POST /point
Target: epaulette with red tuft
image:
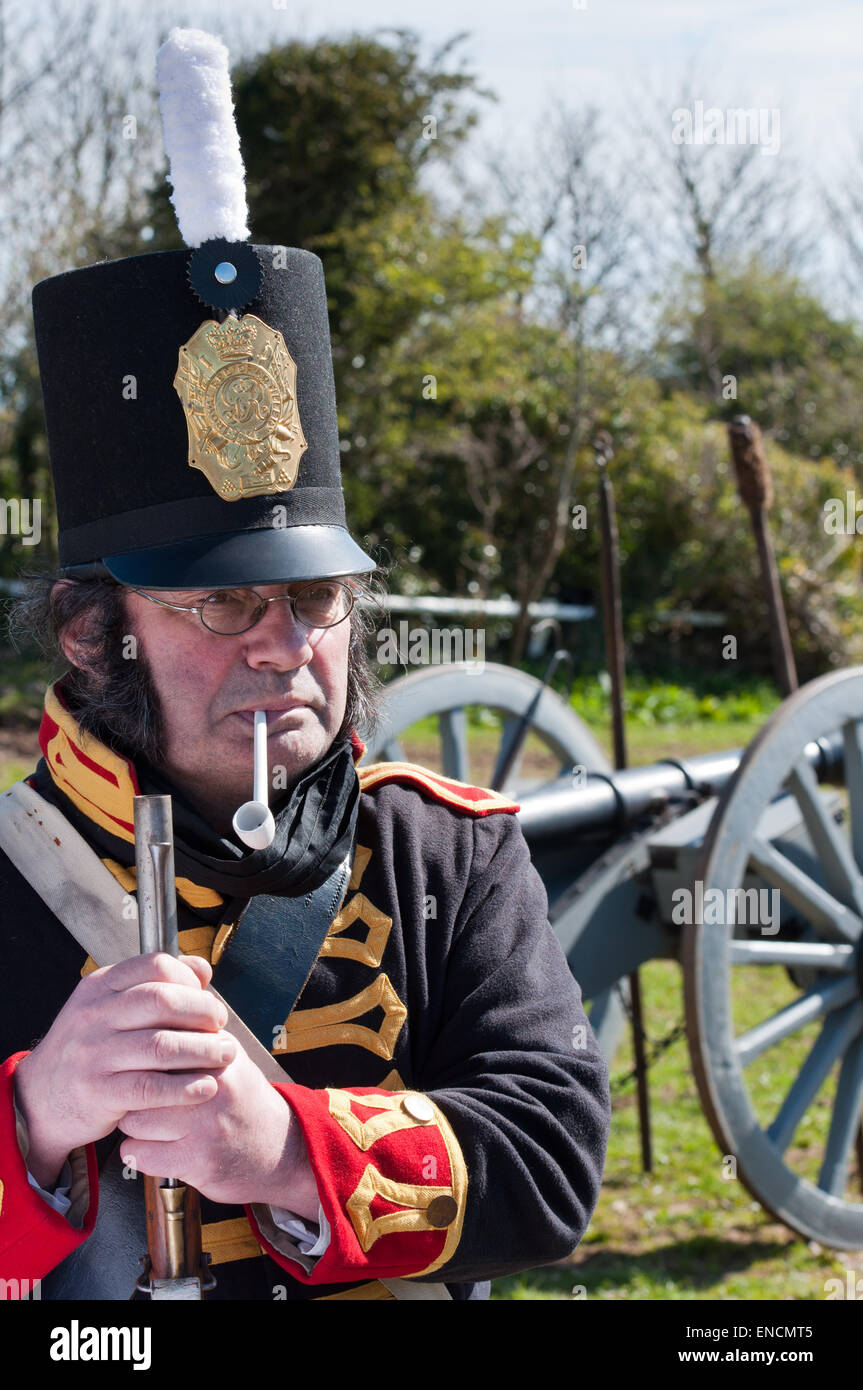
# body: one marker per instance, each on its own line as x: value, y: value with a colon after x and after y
x: 473, y: 801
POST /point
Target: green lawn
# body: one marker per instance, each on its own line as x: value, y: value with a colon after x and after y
x: 685, y: 1231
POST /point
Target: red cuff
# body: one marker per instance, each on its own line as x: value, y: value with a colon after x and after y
x: 391, y: 1180
x: 33, y: 1237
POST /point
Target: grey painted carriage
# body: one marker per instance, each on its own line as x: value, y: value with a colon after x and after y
x: 734, y: 864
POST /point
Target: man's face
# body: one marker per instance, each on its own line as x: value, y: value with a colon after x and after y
x: 209, y: 686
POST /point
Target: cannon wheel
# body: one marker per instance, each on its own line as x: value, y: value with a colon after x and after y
x: 792, y: 1119
x: 447, y: 691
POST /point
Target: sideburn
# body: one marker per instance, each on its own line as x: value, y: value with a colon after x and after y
x: 113, y: 694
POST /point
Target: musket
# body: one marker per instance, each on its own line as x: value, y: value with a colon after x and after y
x: 175, y: 1267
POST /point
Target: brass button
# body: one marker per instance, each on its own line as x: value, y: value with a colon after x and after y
x: 419, y: 1109
x: 442, y: 1211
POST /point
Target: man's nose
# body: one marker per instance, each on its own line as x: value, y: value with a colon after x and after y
x: 278, y: 638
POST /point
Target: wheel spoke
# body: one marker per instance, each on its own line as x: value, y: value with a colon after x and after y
x: 832, y: 848
x: 818, y: 1000
x: 839, y: 1030
x: 823, y: 955
x: 453, y: 732
x: 511, y: 725
x: 845, y: 1121
x: 831, y: 917
x: 854, y: 782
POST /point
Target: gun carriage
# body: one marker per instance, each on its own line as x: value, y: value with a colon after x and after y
x: 780, y: 824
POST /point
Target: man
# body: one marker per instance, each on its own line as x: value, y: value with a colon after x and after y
x: 446, y: 1111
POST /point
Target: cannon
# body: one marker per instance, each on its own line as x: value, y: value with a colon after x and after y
x: 734, y: 864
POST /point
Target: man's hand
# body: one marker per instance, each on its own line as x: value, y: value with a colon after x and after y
x: 140, y: 1035
x: 242, y: 1146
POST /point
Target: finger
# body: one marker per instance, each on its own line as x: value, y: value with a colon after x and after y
x: 139, y: 969
x: 165, y: 1125
x: 137, y: 1091
x: 202, y: 968
x: 160, y: 1160
x: 156, y: 1004
x: 164, y: 1049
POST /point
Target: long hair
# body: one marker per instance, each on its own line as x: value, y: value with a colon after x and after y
x: 114, y: 698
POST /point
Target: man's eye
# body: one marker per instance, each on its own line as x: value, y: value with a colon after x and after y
x: 225, y: 596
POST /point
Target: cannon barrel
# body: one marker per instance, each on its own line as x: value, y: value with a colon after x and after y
x: 611, y: 802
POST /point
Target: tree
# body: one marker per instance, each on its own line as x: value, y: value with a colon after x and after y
x: 73, y: 184
x: 713, y: 202
x: 572, y: 196
x: 784, y: 359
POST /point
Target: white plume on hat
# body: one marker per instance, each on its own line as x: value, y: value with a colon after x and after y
x: 200, y: 136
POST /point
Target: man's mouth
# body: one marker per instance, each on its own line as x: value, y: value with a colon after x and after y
x: 276, y: 714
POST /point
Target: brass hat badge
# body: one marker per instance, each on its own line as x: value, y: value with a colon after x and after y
x: 237, y: 382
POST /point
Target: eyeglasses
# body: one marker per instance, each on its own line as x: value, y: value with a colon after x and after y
x: 322, y: 603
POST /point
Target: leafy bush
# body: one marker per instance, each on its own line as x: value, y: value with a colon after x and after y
x: 661, y: 702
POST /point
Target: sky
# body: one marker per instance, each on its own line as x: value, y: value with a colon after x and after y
x: 800, y: 62
x: 804, y: 58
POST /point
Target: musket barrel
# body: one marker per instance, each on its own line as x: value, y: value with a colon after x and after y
x: 173, y: 1209
x: 154, y: 866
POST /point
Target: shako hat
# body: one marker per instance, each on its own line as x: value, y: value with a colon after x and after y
x: 189, y: 395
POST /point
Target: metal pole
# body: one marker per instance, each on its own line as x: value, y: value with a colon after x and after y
x: 612, y: 612
x: 755, y: 486
x: 615, y: 660
x: 783, y: 655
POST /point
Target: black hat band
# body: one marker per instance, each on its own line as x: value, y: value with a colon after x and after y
x: 150, y: 526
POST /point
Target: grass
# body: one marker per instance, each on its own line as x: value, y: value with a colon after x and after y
x: 686, y: 1231
x: 664, y: 718
x: 645, y: 743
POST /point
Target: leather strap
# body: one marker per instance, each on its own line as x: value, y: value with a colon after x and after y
x: 273, y: 951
